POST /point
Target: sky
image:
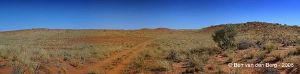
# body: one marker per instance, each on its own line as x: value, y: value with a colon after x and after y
x: 136, y: 14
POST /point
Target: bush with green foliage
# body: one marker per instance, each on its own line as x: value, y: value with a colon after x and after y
x: 225, y: 37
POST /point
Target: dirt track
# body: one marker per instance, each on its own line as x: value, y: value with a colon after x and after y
x: 114, y: 64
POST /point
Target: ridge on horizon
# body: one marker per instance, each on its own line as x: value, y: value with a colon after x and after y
x: 249, y: 23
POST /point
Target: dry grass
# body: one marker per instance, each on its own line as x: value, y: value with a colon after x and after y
x: 198, y: 46
x: 33, y: 48
x: 188, y: 44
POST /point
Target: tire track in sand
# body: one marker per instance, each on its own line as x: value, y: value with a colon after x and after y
x: 114, y: 64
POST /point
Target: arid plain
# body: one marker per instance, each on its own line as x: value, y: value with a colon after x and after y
x: 150, y: 51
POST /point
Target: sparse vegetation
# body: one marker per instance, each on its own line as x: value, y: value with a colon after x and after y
x: 170, y: 51
x: 34, y: 48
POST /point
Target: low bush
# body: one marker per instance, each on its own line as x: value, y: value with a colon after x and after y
x: 269, y: 46
x: 225, y: 38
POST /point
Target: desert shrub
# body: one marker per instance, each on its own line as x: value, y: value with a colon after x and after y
x: 269, y: 47
x: 198, y: 61
x: 172, y: 56
x: 225, y: 38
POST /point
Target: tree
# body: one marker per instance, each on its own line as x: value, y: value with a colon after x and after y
x: 225, y: 38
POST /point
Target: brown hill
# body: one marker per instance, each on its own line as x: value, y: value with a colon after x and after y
x: 260, y: 30
x: 256, y: 26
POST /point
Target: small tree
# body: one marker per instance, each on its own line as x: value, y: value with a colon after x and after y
x: 225, y: 37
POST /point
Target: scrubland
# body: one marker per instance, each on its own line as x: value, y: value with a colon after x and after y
x: 194, y: 51
x: 169, y: 51
x: 27, y: 51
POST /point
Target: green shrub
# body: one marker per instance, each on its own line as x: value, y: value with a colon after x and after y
x: 225, y: 37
